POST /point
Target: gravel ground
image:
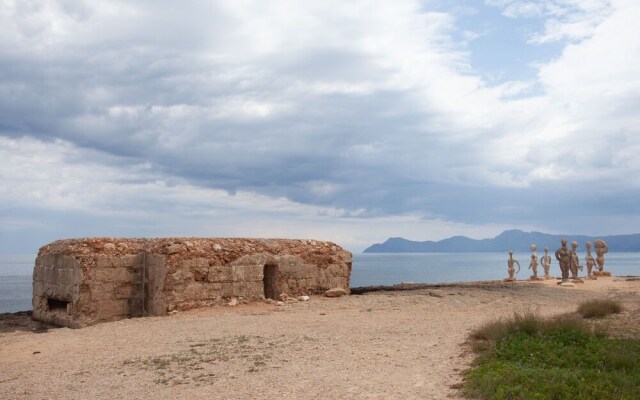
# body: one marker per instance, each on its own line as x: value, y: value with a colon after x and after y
x: 380, y: 345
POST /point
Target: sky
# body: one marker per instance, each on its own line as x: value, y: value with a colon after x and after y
x: 349, y: 121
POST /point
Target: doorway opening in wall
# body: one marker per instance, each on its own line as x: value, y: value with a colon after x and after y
x: 57, y: 305
x: 269, y: 281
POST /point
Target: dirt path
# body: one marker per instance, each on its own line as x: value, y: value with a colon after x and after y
x: 382, y: 345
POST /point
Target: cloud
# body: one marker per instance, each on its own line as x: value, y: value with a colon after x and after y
x: 318, y: 112
x: 565, y: 19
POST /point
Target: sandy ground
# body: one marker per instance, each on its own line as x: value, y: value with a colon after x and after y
x: 381, y: 345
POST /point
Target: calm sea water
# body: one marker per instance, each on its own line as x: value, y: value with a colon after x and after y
x: 368, y: 270
x: 15, y: 282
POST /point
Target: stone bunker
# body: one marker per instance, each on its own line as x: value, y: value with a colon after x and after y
x: 79, y: 282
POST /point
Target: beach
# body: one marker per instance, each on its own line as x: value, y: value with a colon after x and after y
x: 385, y: 344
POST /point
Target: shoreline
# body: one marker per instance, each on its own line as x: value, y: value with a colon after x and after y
x: 404, y: 286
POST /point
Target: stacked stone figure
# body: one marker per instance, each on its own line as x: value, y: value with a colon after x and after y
x: 563, y: 255
x: 510, y: 268
x: 568, y: 261
x: 546, y: 263
x: 591, y: 261
x: 601, y: 249
x: 575, y: 264
x: 533, y: 265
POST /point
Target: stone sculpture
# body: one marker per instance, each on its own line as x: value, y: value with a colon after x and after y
x: 511, y: 270
x: 591, y: 261
x: 546, y: 263
x: 574, y: 263
x: 601, y: 249
x: 563, y: 255
x: 533, y: 265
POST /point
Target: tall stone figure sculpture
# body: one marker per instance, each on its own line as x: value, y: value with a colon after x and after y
x: 545, y: 260
x: 574, y: 263
x: 510, y: 269
x: 591, y: 261
x: 601, y: 249
x: 533, y: 265
x: 563, y: 255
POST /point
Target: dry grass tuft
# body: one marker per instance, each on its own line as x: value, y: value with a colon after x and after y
x: 526, y: 322
x: 599, y: 308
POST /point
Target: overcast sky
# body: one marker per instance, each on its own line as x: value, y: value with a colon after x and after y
x: 349, y: 121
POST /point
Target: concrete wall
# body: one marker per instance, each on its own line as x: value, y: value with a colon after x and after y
x: 84, y: 281
x: 56, y: 280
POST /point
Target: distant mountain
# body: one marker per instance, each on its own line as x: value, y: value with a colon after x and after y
x: 515, y: 240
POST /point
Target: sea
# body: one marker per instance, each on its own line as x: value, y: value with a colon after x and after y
x: 368, y: 270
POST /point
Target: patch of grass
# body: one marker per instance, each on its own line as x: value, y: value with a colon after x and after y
x: 528, y: 357
x: 527, y: 322
x: 599, y: 308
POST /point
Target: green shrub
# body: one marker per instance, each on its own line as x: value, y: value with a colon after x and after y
x: 528, y: 357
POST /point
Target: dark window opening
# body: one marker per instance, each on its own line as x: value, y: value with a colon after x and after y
x: 269, y: 280
x: 55, y: 304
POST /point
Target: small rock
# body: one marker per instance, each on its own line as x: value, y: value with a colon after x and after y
x: 109, y: 246
x: 233, y: 302
x: 283, y: 296
x: 335, y: 292
x: 216, y: 247
x: 174, y: 248
x: 280, y: 303
x: 303, y: 298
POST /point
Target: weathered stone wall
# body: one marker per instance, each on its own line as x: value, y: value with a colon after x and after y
x: 83, y: 281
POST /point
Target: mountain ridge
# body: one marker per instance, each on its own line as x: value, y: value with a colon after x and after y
x: 512, y: 239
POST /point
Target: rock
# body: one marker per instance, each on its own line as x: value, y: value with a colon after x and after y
x: 335, y: 292
x: 283, y: 297
x: 280, y: 303
x: 173, y: 249
x: 216, y: 247
x: 233, y: 302
x: 109, y: 246
x: 303, y: 298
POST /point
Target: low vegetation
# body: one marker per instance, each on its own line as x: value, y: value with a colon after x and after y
x: 599, y: 308
x: 529, y: 357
